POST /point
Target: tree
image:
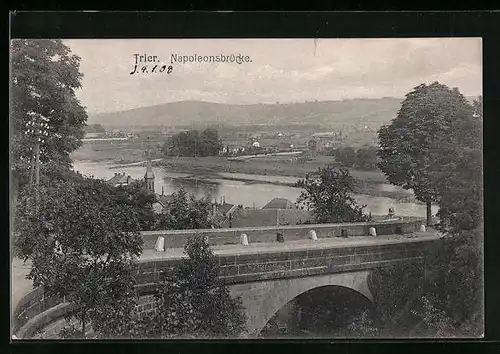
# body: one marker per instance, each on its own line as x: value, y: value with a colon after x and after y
x: 193, y: 301
x: 44, y: 78
x: 183, y: 212
x: 442, y: 298
x: 346, y: 156
x: 210, y: 143
x: 328, y: 194
x: 454, y: 280
x: 415, y: 141
x: 82, y: 241
x: 478, y: 107
x: 192, y: 143
x: 362, y: 326
x: 366, y: 158
x: 142, y: 202
x: 457, y: 174
x: 95, y: 128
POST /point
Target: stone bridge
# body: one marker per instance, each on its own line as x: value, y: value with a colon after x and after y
x: 265, y: 274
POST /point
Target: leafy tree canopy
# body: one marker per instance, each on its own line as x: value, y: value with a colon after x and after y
x: 82, y: 241
x: 435, y: 127
x: 185, y: 212
x: 44, y: 78
x: 192, y: 143
x: 194, y: 302
x: 328, y: 194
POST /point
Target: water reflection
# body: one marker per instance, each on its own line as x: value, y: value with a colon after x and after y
x: 192, y: 186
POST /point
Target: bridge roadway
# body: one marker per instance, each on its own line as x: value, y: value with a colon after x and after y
x: 295, y: 245
x: 266, y: 275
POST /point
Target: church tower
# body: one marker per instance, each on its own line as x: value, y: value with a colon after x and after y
x: 149, y: 178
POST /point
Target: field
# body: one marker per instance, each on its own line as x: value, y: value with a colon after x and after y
x: 209, y: 165
x: 126, y: 151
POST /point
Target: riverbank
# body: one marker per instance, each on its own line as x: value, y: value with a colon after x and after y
x: 216, y: 167
x: 368, y: 182
x: 215, y: 164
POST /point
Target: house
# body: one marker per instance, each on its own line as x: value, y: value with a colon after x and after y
x: 161, y: 202
x: 268, y: 217
x: 279, y: 203
x: 119, y: 179
x: 223, y: 208
x: 325, y: 140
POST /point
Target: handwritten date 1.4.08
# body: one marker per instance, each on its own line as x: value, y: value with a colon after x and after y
x: 152, y: 69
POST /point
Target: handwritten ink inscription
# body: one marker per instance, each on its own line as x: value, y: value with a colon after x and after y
x: 149, y: 64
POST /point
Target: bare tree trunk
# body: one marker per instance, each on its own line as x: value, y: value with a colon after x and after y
x: 429, y: 213
x: 37, y: 163
x: 83, y: 323
x: 32, y: 170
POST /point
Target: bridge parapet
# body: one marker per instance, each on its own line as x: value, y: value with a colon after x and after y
x: 177, y: 238
x: 245, y: 265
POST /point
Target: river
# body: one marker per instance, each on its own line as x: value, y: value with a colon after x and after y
x: 240, y: 192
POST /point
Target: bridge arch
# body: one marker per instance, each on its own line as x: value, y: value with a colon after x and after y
x: 262, y: 300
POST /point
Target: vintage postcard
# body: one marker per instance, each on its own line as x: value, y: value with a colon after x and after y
x: 246, y: 188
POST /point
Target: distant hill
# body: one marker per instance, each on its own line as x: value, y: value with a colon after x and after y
x: 372, y: 112
x: 325, y: 113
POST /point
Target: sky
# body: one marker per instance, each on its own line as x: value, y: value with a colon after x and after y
x: 279, y: 70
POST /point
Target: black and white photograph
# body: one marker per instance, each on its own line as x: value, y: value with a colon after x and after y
x: 246, y: 188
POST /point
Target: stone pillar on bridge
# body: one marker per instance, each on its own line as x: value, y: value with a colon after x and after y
x: 160, y: 244
x: 312, y: 235
x: 244, y: 239
x: 372, y: 231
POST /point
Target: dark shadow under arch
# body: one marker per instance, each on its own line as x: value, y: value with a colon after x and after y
x: 329, y: 306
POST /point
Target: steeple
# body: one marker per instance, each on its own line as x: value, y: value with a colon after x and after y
x: 149, y: 177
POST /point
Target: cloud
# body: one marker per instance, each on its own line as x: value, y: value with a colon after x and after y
x: 280, y: 69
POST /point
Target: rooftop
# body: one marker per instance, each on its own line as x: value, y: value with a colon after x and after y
x: 279, y: 203
x: 119, y: 178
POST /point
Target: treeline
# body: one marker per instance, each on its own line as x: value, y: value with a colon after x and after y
x: 363, y: 158
x: 95, y: 128
x: 193, y: 143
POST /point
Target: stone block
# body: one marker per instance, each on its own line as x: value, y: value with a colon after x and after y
x: 298, y: 264
x: 313, y: 253
x: 228, y: 271
x: 340, y: 260
x: 422, y: 228
x: 302, y: 254
x: 227, y: 260
x: 264, y: 267
x: 372, y: 231
x: 244, y: 239
x: 316, y: 262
